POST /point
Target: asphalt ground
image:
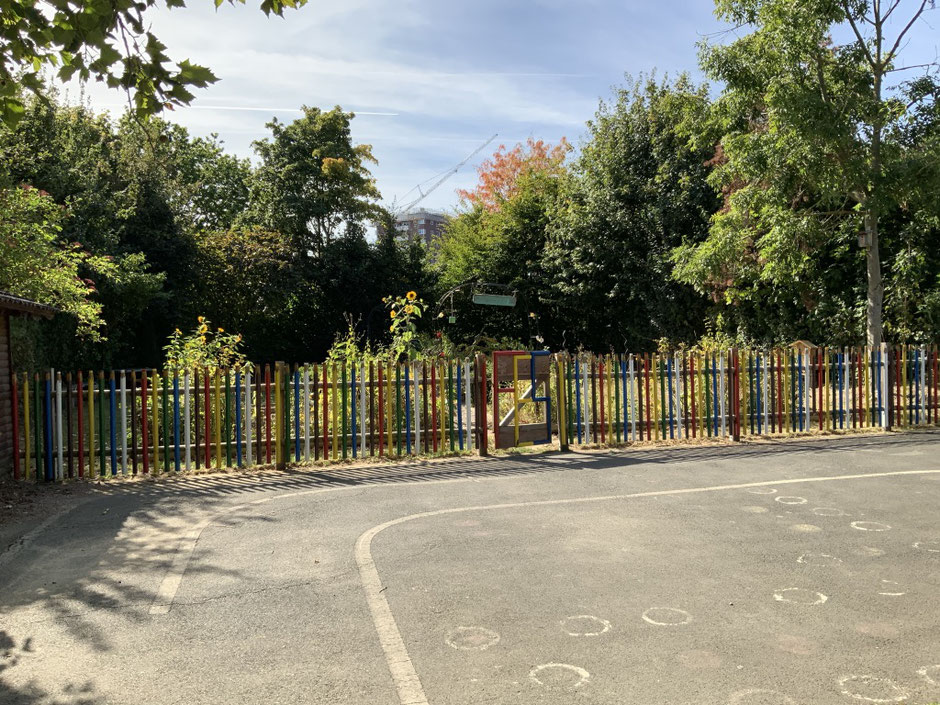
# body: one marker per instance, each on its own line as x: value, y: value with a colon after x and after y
x: 804, y: 572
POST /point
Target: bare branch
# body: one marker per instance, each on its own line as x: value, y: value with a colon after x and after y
x: 890, y: 55
x: 931, y: 64
x: 821, y: 76
x: 891, y: 9
x: 858, y: 34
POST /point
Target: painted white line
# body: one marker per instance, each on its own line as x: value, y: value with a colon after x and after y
x: 583, y: 676
x: 666, y: 617
x: 800, y: 596
x: 869, y: 526
x: 598, y: 626
x: 760, y: 695
x: 930, y: 673
x: 163, y: 600
x: 404, y: 676
x: 929, y: 546
x: 891, y: 594
x: 818, y: 559
x: 170, y: 585
x: 172, y: 580
x: 872, y: 689
x: 166, y: 593
x: 829, y: 512
x: 472, y: 638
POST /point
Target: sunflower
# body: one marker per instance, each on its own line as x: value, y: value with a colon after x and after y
x: 409, y: 309
x: 411, y: 295
x: 392, y: 313
x: 392, y: 328
x: 201, y: 319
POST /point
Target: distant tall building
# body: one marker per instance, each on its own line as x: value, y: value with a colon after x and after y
x: 420, y: 223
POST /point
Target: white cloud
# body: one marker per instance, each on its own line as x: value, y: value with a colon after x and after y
x: 426, y: 91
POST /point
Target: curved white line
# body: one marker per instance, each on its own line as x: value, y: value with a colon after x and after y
x: 170, y: 584
x: 404, y: 675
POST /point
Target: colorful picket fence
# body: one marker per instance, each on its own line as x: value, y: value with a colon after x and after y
x: 735, y: 393
x: 142, y: 421
x: 99, y: 424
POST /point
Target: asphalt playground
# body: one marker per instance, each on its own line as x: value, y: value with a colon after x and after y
x: 804, y: 572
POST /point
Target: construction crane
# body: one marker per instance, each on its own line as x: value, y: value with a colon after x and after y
x: 450, y: 172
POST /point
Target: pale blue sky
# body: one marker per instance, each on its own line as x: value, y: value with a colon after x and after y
x: 448, y: 74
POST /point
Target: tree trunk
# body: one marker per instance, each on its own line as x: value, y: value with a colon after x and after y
x: 876, y: 291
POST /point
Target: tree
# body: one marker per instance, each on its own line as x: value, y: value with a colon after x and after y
x: 36, y: 266
x: 638, y: 189
x: 812, y: 154
x: 313, y: 183
x: 101, y: 39
x: 503, y: 246
x: 501, y: 237
x: 500, y: 175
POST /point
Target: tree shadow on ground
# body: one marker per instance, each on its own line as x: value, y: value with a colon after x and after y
x: 306, y: 477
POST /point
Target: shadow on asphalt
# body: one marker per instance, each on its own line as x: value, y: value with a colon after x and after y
x: 107, y: 573
x: 11, y: 653
x: 100, y: 574
x: 300, y: 477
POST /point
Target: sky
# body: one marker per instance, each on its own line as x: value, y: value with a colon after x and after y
x: 429, y: 80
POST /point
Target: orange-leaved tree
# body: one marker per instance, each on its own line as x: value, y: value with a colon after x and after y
x: 499, y: 175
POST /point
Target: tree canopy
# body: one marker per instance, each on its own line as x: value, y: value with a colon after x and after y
x: 797, y: 201
x: 104, y: 40
x: 816, y: 153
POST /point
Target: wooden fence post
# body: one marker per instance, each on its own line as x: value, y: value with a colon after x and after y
x: 479, y: 386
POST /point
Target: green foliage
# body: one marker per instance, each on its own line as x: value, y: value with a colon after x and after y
x: 103, y: 40
x: 814, y: 149
x: 313, y: 183
x: 404, y: 312
x: 589, y: 251
x: 503, y: 246
x: 203, y: 348
x: 38, y: 266
x: 638, y: 190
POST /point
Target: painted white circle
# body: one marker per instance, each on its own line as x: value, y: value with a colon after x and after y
x: 760, y: 696
x: 763, y: 490
x: 806, y: 528
x: 791, y: 500
x: 929, y: 546
x: 666, y: 616
x: 800, y: 596
x: 872, y: 689
x: 890, y: 588
x: 585, y: 625
x: 869, y: 526
x: 559, y: 676
x: 931, y: 674
x: 829, y: 512
x: 869, y: 551
x: 472, y: 638
x: 818, y: 559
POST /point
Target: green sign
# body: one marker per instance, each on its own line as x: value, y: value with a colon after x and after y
x: 494, y: 299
